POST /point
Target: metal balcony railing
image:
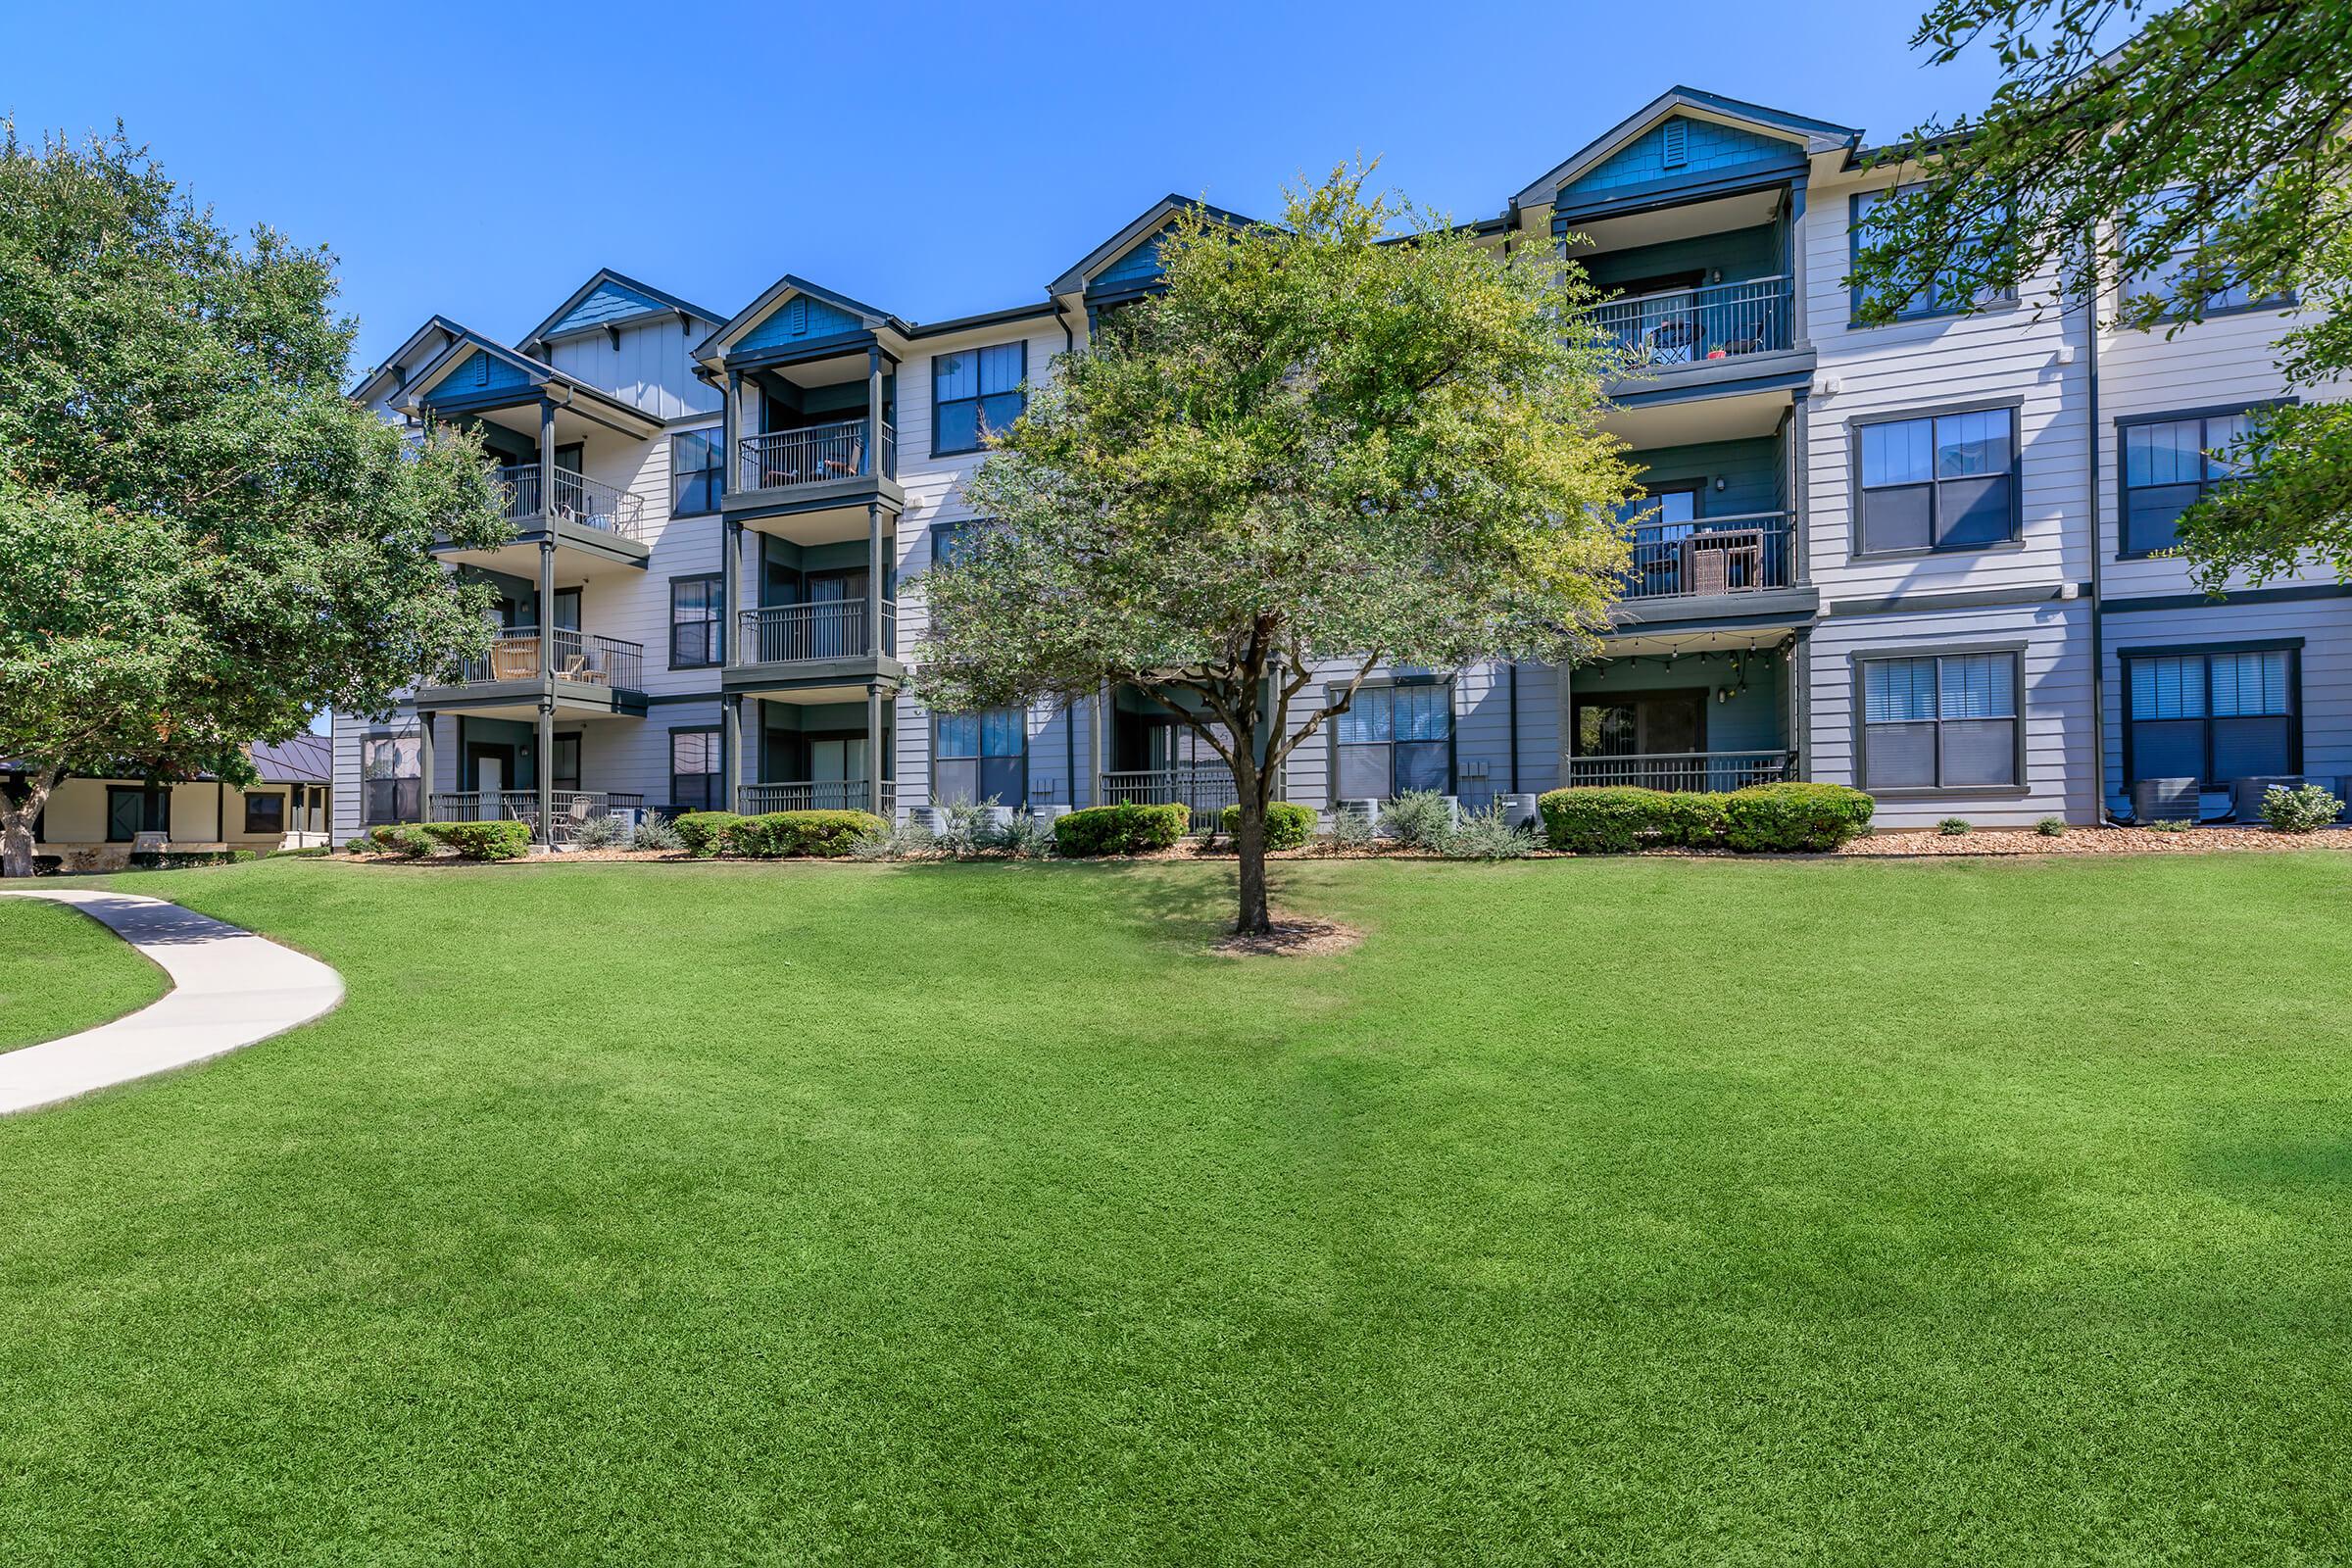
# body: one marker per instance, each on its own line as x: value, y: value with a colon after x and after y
x: 579, y: 500
x: 572, y: 806
x: 1692, y: 326
x: 1709, y: 771
x: 813, y: 455
x: 583, y: 659
x: 1731, y: 555
x: 784, y: 634
x: 1207, y: 788
x: 816, y: 795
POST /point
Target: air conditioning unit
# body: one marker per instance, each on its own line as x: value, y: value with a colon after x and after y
x: 998, y: 818
x: 1367, y: 810
x: 1048, y: 812
x: 2164, y: 800
x: 2245, y: 794
x: 1520, y: 811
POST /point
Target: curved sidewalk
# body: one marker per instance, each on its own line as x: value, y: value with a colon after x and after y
x: 229, y: 988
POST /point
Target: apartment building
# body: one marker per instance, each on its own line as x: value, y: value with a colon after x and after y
x: 1926, y: 558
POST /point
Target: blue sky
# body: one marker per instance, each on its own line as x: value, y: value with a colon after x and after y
x: 941, y: 160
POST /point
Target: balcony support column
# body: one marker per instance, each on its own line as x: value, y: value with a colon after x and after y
x: 1798, y: 433
x: 730, y: 433
x: 873, y: 578
x: 1792, y: 228
x: 424, y: 765
x: 873, y: 747
x: 1567, y: 724
x: 1800, y: 703
x: 1102, y: 738
x: 547, y: 616
x: 542, y: 767
x: 730, y: 750
x: 873, y: 413
x: 730, y: 617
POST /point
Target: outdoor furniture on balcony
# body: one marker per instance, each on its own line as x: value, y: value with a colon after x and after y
x: 580, y: 500
x: 1690, y: 325
x: 837, y: 628
x: 580, y: 658
x: 813, y: 455
x: 1728, y: 554
x: 1713, y: 772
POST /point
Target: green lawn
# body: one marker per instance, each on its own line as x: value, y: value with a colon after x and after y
x: 60, y: 971
x: 1610, y: 1212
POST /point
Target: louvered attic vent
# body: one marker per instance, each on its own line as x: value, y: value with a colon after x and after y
x: 1677, y: 144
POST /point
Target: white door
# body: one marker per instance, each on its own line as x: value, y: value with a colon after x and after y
x: 489, y: 776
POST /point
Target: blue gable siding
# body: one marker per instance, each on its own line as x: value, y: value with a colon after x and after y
x: 1139, y: 267
x: 609, y: 301
x: 796, y: 319
x: 481, y: 373
x: 1709, y: 147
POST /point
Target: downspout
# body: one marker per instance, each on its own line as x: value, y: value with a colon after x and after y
x: 2099, y: 648
x: 1513, y: 688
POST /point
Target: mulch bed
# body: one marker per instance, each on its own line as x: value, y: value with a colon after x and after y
x: 1292, y: 937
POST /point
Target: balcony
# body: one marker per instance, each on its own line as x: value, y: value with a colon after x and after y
x: 819, y: 454
x: 815, y: 485
x: 816, y: 795
x: 797, y: 634
x: 1713, y: 772
x: 580, y: 502
x: 593, y: 675
x: 1700, y: 326
x: 1207, y: 788
x: 572, y: 807
x: 1742, y: 554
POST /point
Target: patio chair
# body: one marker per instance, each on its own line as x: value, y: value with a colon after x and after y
x: 515, y: 658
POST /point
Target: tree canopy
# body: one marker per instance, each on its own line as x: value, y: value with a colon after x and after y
x: 1355, y: 436
x: 2167, y: 162
x: 206, y: 542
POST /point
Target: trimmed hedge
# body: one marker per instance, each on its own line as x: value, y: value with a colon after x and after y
x: 1618, y: 820
x: 1790, y: 818
x: 180, y: 860
x: 1120, y: 829
x: 1288, y: 827
x: 826, y: 835
x: 1764, y: 819
x: 483, y: 840
x: 703, y: 831
x: 403, y: 839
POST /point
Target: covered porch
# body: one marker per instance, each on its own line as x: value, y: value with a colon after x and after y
x: 817, y: 748
x: 1709, y: 712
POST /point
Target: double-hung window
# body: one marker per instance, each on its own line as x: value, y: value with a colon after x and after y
x: 980, y: 758
x: 2164, y: 277
x: 266, y: 813
x: 694, y: 769
x: 2168, y: 464
x: 2214, y: 716
x: 1946, y: 482
x: 1940, y: 296
x: 974, y: 394
x: 391, y: 770
x: 694, y: 608
x: 1394, y: 739
x: 695, y: 461
x: 1947, y: 721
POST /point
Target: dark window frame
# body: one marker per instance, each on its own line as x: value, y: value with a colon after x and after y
x: 716, y: 474
x: 1854, y: 426
x: 1859, y: 658
x: 2285, y: 300
x: 2005, y: 299
x: 977, y: 759
x: 715, y: 582
x: 2123, y: 485
x: 2293, y: 647
x: 1392, y: 682
x: 276, y: 798
x: 716, y: 792
x: 155, y: 811
x: 1021, y: 390
x: 368, y: 816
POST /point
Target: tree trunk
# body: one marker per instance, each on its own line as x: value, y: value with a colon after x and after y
x: 17, y: 817
x: 1254, y: 918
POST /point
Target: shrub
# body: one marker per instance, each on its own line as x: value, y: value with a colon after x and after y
x: 1487, y: 835
x: 2305, y: 808
x: 656, y: 832
x: 1352, y: 830
x: 1288, y: 827
x: 2051, y: 827
x: 309, y: 851
x: 700, y: 831
x: 2171, y: 825
x: 482, y: 841
x: 1418, y: 819
x: 1955, y: 827
x: 1793, y: 816
x: 776, y: 835
x: 180, y: 860
x: 407, y: 841
x: 967, y: 826
x: 1026, y: 838
x: 908, y: 838
x: 1615, y: 819
x: 359, y: 845
x: 598, y: 833
x: 1120, y: 829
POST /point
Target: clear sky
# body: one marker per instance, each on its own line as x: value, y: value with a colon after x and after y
x: 934, y: 160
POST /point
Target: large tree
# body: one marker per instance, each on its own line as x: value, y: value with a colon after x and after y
x: 2198, y: 150
x: 206, y: 542
x: 1354, y: 437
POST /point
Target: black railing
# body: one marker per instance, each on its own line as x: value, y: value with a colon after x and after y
x: 813, y: 454
x: 1712, y: 772
x: 580, y: 500
x: 784, y: 634
x: 572, y: 807
x: 816, y: 795
x: 1207, y: 788
x: 1692, y: 326
x: 582, y: 659
x: 1711, y: 555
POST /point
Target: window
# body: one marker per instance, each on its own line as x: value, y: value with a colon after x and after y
x: 266, y: 813
x: 133, y: 809
x: 981, y: 756
x: 1393, y: 739
x: 1947, y: 481
x: 2165, y: 277
x: 693, y: 770
x: 2168, y: 467
x: 974, y: 393
x: 2213, y: 716
x: 695, y: 461
x: 695, y: 607
x: 1941, y: 297
x: 949, y: 540
x: 391, y: 768
x: 1942, y: 722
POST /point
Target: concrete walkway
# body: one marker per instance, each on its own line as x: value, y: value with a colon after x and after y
x: 229, y: 988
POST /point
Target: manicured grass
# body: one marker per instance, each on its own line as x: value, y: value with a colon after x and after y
x: 60, y: 971
x: 1608, y: 1212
